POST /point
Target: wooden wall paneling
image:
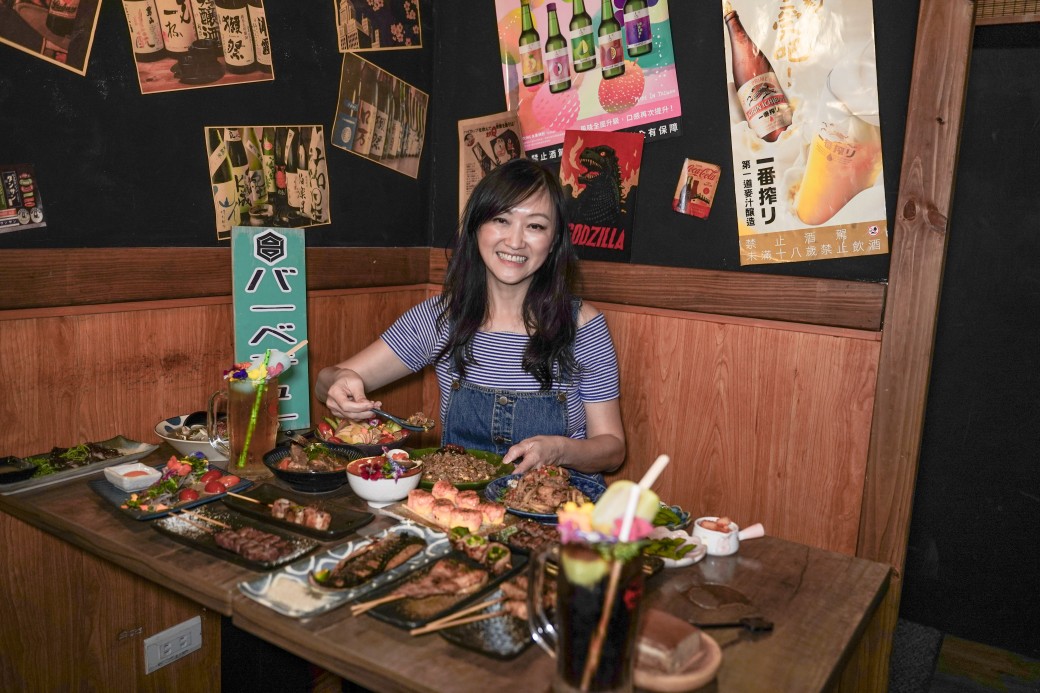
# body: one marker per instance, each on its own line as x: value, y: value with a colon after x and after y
x: 830, y: 302
x: 102, y: 648
x: 765, y: 423
x: 342, y: 323
x: 934, y: 116
x: 78, y: 277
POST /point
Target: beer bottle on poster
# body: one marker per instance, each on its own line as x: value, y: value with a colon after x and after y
x: 292, y: 186
x: 346, y: 119
x: 145, y: 32
x: 178, y: 26
x: 611, y: 51
x: 557, y: 62
x: 225, y: 194
x: 61, y: 16
x: 206, y: 25
x: 257, y: 184
x: 366, y: 110
x: 280, y: 186
x: 486, y: 164
x: 638, y: 35
x: 530, y: 48
x: 379, y: 128
x: 261, y: 37
x: 239, y: 167
x: 583, y: 46
x: 267, y: 160
x: 236, y: 36
x: 765, y: 105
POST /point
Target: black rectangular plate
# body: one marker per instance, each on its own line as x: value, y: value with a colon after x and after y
x: 344, y: 520
x: 412, y: 613
x: 176, y: 528
x: 503, y: 637
x: 117, y: 496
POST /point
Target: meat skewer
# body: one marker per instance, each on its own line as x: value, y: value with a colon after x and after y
x: 285, y: 509
x: 445, y: 577
x: 362, y: 607
x: 210, y: 520
x: 458, y: 618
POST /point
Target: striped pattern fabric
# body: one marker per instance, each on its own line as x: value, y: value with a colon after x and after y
x: 499, y: 357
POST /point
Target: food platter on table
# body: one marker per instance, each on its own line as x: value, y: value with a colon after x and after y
x: 217, y: 532
x: 262, y: 502
x: 80, y: 462
x: 204, y: 492
x: 290, y: 592
x: 435, y: 458
x: 497, y: 489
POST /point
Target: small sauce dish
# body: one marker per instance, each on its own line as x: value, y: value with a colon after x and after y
x: 724, y: 543
x: 132, y: 476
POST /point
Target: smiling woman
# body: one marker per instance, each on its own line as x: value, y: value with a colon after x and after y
x: 525, y: 369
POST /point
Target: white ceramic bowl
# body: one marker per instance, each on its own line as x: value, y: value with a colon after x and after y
x: 141, y: 476
x: 164, y: 428
x: 381, y: 492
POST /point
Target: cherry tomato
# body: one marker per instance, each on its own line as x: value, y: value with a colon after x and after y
x: 229, y: 481
x: 215, y: 487
x: 211, y: 475
x: 188, y: 494
x: 325, y: 431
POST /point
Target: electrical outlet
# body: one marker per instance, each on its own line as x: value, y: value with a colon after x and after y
x: 172, y: 644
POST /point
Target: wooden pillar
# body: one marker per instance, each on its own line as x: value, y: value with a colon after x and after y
x: 934, y: 115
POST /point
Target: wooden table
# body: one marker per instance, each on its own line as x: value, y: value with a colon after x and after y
x: 819, y: 601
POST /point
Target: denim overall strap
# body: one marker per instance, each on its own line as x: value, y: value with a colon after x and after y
x: 484, y: 418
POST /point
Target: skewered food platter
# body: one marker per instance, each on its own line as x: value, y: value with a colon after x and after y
x: 236, y: 538
x: 324, y: 520
x: 290, y: 592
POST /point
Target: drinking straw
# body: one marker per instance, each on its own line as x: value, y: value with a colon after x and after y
x: 596, y: 645
x: 255, y: 410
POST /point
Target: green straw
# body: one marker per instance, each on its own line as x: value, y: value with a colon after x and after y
x: 252, y: 414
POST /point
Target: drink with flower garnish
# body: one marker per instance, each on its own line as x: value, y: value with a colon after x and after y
x: 252, y: 416
x: 599, y: 590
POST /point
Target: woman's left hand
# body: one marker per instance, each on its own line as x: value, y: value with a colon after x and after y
x: 535, y: 452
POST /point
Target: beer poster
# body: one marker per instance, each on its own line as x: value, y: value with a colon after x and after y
x: 20, y: 205
x: 805, y: 130
x: 379, y: 116
x: 591, y: 66
x: 485, y: 144
x: 60, y: 32
x: 377, y: 25
x: 191, y: 44
x: 600, y: 177
x: 268, y: 176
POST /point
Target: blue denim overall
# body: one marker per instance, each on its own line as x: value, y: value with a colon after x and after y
x: 485, y: 418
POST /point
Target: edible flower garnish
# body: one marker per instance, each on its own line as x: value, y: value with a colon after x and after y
x: 387, y: 469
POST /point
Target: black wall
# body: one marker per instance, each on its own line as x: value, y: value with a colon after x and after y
x: 118, y: 168
x: 973, y: 562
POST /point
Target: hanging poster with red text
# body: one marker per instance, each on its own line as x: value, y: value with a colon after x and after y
x: 592, y: 65
x: 805, y: 128
x: 600, y: 177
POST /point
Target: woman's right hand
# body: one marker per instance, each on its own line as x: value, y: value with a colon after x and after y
x: 346, y: 396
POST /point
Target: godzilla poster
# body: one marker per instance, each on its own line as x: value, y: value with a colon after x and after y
x: 600, y: 176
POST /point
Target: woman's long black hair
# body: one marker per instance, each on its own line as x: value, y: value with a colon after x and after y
x: 548, y: 311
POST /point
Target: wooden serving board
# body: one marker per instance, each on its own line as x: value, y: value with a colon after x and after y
x: 401, y: 510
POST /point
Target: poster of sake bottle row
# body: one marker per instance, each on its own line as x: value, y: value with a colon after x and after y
x: 267, y: 176
x: 805, y: 130
x: 379, y: 116
x: 188, y: 44
x: 588, y: 65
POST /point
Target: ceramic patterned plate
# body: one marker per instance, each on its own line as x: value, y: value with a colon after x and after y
x: 501, y: 637
x: 497, y: 488
x: 289, y: 592
x: 129, y: 450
